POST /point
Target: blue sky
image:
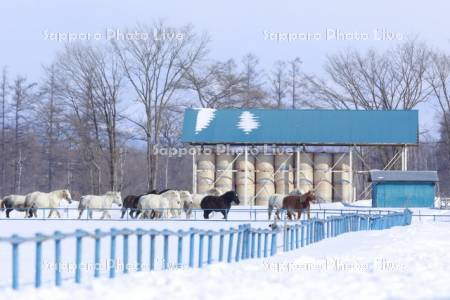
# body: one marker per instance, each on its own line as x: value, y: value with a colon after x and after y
x: 235, y: 27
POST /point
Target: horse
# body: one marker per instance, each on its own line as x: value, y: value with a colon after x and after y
x: 153, y: 206
x: 187, y: 201
x: 51, y: 200
x: 99, y: 203
x: 298, y: 203
x: 219, y: 203
x: 276, y: 202
x: 12, y: 202
x: 131, y: 202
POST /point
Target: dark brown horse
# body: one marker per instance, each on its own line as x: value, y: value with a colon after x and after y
x: 295, y: 204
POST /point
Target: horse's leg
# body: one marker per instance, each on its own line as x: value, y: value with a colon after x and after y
x: 9, y: 210
x: 50, y: 213
x: 299, y: 214
x: 58, y: 213
x: 80, y: 213
x: 91, y: 212
x: 225, y: 213
x: 124, y: 210
x: 270, y: 211
x: 309, y: 217
x: 206, y: 214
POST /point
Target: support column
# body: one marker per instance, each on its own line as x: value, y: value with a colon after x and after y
x: 350, y: 157
x: 297, y: 169
x: 246, y: 175
x: 405, y: 158
x: 194, y: 171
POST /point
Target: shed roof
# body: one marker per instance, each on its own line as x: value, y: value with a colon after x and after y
x: 410, y: 176
x: 296, y: 127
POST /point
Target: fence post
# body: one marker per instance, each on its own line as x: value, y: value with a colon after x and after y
x: 210, y: 243
x: 191, y: 247
x: 266, y: 242
x: 152, y: 250
x: 238, y: 243
x: 166, y: 249
x: 259, y: 244
x: 97, y: 253
x: 112, y: 254
x: 15, y: 241
x: 273, y: 248
x: 58, y: 237
x: 230, y: 245
x: 126, y: 233
x: 200, y: 249
x: 38, y: 261
x: 292, y: 238
x: 180, y: 249
x: 139, y: 234
x: 79, y: 238
x: 221, y: 238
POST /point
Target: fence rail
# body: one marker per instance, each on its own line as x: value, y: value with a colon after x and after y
x: 243, y: 242
x: 236, y: 214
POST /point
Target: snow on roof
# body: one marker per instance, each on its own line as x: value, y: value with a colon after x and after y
x: 422, y: 176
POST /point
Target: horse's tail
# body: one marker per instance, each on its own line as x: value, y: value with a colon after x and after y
x: 2, y: 205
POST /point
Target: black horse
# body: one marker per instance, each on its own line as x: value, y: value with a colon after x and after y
x: 219, y: 203
x: 131, y: 202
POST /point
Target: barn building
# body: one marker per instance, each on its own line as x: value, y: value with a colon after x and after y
x: 258, y: 152
x: 403, y: 188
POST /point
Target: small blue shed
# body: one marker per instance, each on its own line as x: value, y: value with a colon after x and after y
x: 403, y: 188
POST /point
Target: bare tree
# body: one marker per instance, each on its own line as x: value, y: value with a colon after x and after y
x: 394, y: 79
x: 215, y: 84
x: 439, y: 80
x: 3, y: 95
x: 278, y: 81
x: 21, y: 100
x: 50, y: 121
x: 253, y: 91
x: 295, y: 83
x: 155, y: 68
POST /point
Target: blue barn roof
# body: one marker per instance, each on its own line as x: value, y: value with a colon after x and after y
x: 404, y: 176
x: 309, y: 127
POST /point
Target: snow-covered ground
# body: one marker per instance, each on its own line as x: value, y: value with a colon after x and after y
x: 403, y: 262
x: 400, y: 263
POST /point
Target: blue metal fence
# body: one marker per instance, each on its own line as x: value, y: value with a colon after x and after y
x: 243, y: 242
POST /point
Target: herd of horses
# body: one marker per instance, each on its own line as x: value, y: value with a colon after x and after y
x: 154, y: 204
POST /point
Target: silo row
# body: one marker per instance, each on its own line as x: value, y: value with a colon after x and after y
x: 314, y: 170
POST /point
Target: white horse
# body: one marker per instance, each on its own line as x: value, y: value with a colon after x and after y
x: 175, y: 205
x: 12, y: 202
x: 214, y: 192
x: 187, y: 202
x: 51, y: 200
x: 276, y: 202
x: 153, y: 206
x: 99, y: 203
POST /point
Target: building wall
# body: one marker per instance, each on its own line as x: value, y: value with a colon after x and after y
x: 403, y: 194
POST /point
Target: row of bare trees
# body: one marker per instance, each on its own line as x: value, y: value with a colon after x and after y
x: 95, y: 119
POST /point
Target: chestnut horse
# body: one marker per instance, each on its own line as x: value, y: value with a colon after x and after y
x: 295, y: 204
